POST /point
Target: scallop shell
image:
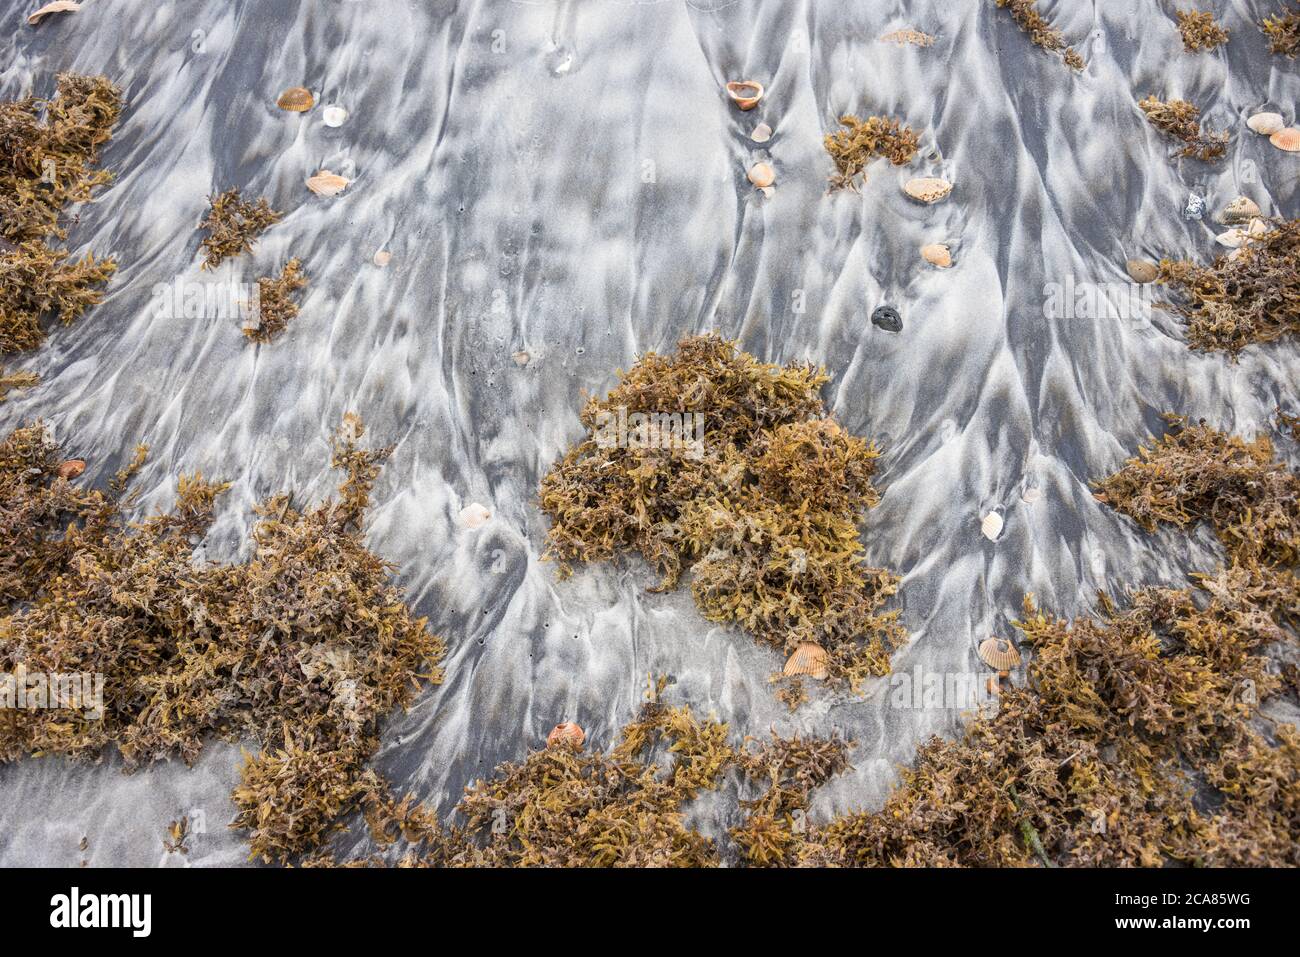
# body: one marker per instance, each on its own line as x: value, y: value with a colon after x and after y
x: 1266, y: 124
x: 927, y: 189
x: 999, y: 654
x: 58, y: 6
x: 937, y: 254
x: 383, y: 258
x: 474, y: 515
x: 762, y: 133
x: 991, y: 526
x: 566, y: 734
x: 334, y: 116
x: 745, y: 93
x: 1241, y: 210
x: 808, y: 659
x: 296, y: 99
x: 1287, y: 139
x: 326, y: 183
x: 1142, y: 270
x: 762, y: 174
x: 71, y: 468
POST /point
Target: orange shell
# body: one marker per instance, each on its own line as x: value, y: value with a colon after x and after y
x: 745, y: 93
x: 296, y: 99
x: 999, y: 654
x: 1287, y: 139
x: 71, y: 468
x: 808, y: 659
x: 566, y: 734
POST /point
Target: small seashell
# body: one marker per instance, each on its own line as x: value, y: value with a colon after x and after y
x: 767, y: 191
x: 991, y: 526
x: 994, y: 685
x: 334, y: 116
x: 1240, y: 210
x: 762, y: 174
x: 927, y: 189
x: 1287, y: 139
x: 1031, y: 495
x: 1142, y: 270
x: 58, y: 6
x: 383, y: 258
x: 937, y: 254
x: 71, y: 468
x: 1257, y: 228
x: 999, y: 654
x: 745, y: 93
x: 566, y: 734
x: 296, y: 99
x: 1266, y: 124
x: 326, y: 183
x: 808, y: 659
x: 1232, y: 238
x: 473, y: 515
x: 521, y: 358
x: 762, y: 133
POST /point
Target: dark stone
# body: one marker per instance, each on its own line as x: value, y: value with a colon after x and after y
x: 887, y: 318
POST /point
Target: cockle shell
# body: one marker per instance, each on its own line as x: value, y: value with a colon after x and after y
x: 937, y: 254
x: 474, y: 515
x: 58, y: 6
x: 991, y: 526
x: 1142, y: 270
x: 326, y: 183
x: 808, y: 659
x: 296, y: 99
x: 566, y: 734
x: 927, y: 189
x: 1241, y: 210
x: 762, y: 174
x: 762, y: 133
x: 1266, y: 124
x: 999, y: 654
x: 71, y: 468
x: 745, y: 93
x: 1287, y: 139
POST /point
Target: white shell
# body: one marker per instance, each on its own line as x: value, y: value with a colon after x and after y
x: 1031, y: 495
x: 991, y: 526
x: 1232, y: 238
x: 762, y: 133
x: 767, y: 191
x: 474, y: 515
x: 1266, y: 124
x: 383, y: 258
x: 927, y: 189
x: 334, y: 116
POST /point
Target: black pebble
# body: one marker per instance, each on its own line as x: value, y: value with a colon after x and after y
x: 887, y: 318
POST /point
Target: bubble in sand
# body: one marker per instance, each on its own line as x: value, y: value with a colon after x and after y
x: 474, y: 515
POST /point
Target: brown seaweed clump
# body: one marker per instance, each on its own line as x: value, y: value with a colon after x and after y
x: 1041, y: 33
x: 275, y: 308
x: 1251, y: 295
x: 233, y: 225
x: 1181, y: 120
x: 1139, y: 739
x: 761, y: 503
x: 1283, y: 31
x: 13, y: 381
x: 853, y: 147
x: 304, y: 648
x: 1200, y: 30
x: 48, y: 150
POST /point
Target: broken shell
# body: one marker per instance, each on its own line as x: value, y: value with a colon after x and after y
x: 937, y: 254
x: 1031, y: 495
x: 927, y: 189
x: 808, y: 659
x: 334, y: 116
x: 768, y: 191
x: 1257, y: 227
x: 71, y: 468
x: 999, y: 654
x: 994, y: 685
x: 745, y: 93
x: 521, y: 358
x: 1266, y: 124
x: 991, y: 526
x: 1287, y: 139
x: 473, y: 515
x: 566, y: 734
x: 1240, y: 210
x: 296, y: 99
x: 383, y: 258
x: 326, y: 183
x: 58, y: 6
x: 762, y: 133
x: 762, y: 174
x: 1232, y: 238
x: 1142, y: 270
